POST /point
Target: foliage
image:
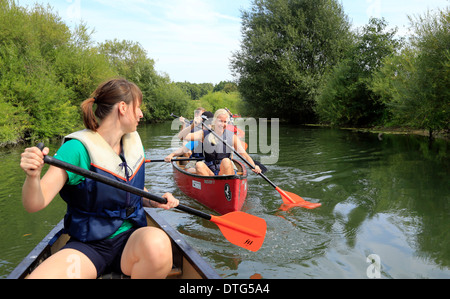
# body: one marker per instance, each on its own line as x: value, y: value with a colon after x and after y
x: 345, y: 97
x: 12, y: 122
x: 168, y: 98
x: 414, y: 84
x: 221, y: 99
x: 195, y: 91
x: 226, y: 86
x: 31, y: 45
x: 47, y: 70
x: 286, y: 48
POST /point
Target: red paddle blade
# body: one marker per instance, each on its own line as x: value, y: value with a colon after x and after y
x: 242, y: 229
x: 295, y: 200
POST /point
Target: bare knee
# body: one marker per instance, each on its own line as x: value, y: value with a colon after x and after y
x: 157, y: 244
x: 202, y: 169
x: 148, y: 254
x: 227, y: 162
x: 226, y: 167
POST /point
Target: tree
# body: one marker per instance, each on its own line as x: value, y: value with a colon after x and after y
x: 286, y: 48
x: 346, y: 97
x: 130, y: 60
x: 225, y: 86
x: 432, y: 40
x: 29, y: 84
x: 195, y: 91
x: 414, y: 84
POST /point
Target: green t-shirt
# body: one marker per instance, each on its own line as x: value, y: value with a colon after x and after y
x: 74, y: 152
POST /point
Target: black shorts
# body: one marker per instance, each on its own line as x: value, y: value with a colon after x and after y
x: 105, y: 254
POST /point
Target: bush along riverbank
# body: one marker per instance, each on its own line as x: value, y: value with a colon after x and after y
x: 331, y: 74
x: 442, y: 134
x: 47, y: 70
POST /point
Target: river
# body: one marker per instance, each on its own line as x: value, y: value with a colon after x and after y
x: 385, y: 201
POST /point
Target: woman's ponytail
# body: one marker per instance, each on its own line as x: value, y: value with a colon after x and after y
x: 89, y: 119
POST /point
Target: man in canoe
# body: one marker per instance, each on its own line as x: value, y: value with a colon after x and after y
x: 218, y: 158
x: 107, y: 225
x: 192, y: 149
x: 197, y: 113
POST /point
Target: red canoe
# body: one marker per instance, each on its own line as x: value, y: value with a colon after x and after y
x: 223, y: 194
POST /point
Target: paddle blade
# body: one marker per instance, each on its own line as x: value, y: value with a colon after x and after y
x: 242, y: 229
x: 290, y: 198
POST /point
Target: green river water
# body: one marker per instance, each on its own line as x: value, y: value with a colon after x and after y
x: 384, y: 200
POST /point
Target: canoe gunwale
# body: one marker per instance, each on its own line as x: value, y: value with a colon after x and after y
x: 216, y: 177
x: 39, y: 252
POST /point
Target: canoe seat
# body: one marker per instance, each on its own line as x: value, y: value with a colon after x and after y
x: 174, y: 273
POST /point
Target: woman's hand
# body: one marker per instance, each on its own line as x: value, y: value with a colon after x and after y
x: 197, y: 121
x: 169, y: 158
x: 32, y: 161
x: 257, y: 170
x: 172, y: 202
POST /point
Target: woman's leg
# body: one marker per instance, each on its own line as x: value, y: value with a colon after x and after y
x: 202, y: 169
x: 147, y: 254
x: 65, y: 264
x: 226, y: 167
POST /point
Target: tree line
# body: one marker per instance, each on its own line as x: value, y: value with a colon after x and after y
x: 300, y: 61
x: 47, y: 70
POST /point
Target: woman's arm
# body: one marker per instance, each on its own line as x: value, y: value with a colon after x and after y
x: 179, y: 152
x: 237, y: 144
x: 186, y: 133
x: 37, y: 193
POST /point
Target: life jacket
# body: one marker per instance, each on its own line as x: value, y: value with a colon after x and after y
x: 215, y: 153
x: 96, y: 210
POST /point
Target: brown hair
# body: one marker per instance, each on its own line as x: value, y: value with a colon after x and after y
x: 105, y: 97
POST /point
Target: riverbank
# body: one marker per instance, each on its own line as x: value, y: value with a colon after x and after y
x: 393, y: 131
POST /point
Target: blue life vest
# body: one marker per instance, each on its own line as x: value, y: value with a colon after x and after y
x: 197, y: 149
x: 96, y: 210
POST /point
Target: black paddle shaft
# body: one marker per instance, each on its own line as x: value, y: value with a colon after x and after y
x: 175, y: 160
x: 116, y: 184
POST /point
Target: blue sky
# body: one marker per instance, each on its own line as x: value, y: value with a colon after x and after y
x: 193, y: 40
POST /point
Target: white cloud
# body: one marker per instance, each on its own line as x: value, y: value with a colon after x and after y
x: 188, y: 39
x: 395, y: 12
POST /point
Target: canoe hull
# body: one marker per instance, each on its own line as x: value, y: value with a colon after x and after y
x: 223, y: 194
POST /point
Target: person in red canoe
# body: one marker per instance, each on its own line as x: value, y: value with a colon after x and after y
x: 192, y: 149
x: 218, y: 157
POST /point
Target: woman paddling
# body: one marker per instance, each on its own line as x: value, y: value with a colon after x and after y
x: 218, y: 158
x: 107, y: 225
